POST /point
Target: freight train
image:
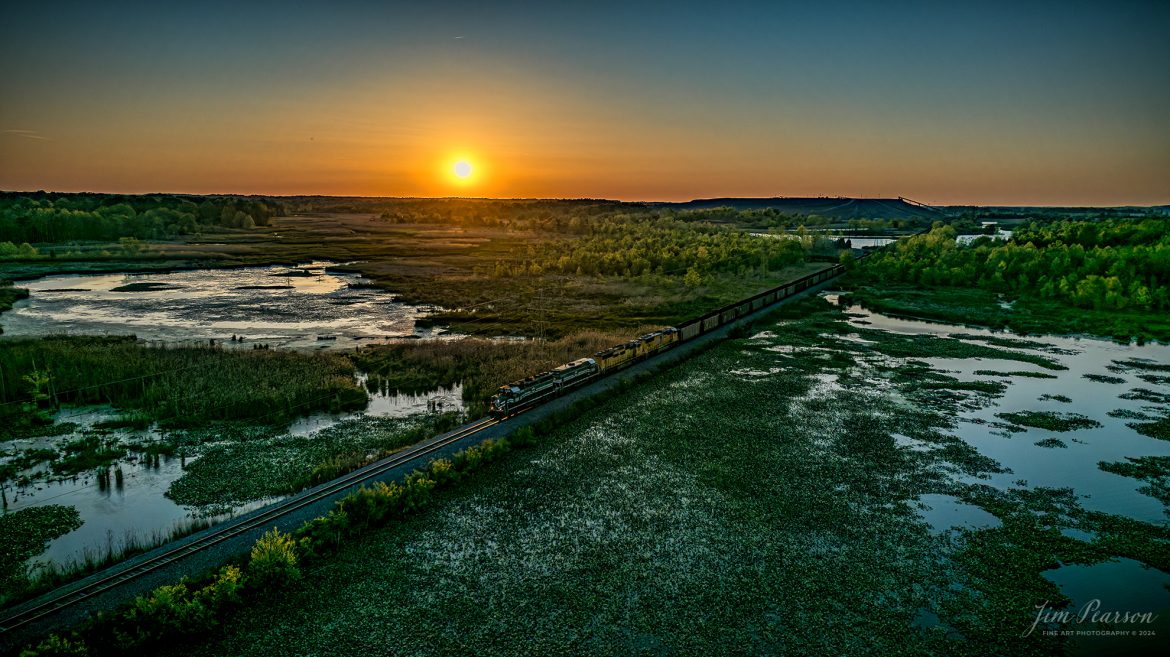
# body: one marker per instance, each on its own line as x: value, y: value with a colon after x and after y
x: 534, y: 390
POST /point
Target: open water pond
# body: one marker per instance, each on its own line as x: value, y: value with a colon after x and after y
x: 303, y: 307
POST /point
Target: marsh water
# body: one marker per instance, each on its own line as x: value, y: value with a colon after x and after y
x: 218, y: 303
x: 302, y: 307
x: 135, y: 510
x: 1119, y: 585
x: 1075, y: 465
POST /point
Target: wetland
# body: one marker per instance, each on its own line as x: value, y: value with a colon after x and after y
x: 854, y: 494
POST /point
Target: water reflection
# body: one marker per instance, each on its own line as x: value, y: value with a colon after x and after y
x: 130, y: 508
x: 1076, y: 465
x: 303, y: 307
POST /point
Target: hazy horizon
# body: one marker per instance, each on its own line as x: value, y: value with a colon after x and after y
x: 570, y: 198
x: 1012, y: 104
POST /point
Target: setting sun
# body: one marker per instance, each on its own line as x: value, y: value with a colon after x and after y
x: 463, y: 169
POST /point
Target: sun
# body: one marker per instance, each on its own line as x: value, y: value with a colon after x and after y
x: 463, y: 170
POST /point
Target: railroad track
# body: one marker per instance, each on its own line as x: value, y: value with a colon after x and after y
x: 229, y: 531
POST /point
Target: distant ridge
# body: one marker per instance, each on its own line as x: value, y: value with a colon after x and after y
x: 832, y: 207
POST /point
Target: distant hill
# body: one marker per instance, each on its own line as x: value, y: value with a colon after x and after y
x: 834, y: 208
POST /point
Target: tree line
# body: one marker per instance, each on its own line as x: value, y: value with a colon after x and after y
x: 1108, y: 264
x: 31, y: 218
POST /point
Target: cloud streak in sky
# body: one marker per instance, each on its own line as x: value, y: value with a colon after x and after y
x: 27, y: 134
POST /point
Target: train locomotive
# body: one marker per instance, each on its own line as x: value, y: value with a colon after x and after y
x: 534, y: 390
x: 514, y: 397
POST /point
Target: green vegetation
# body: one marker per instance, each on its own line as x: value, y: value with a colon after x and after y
x: 182, y: 609
x: 550, y: 268
x: 1145, y: 394
x: 49, y: 217
x: 87, y: 453
x: 1050, y: 420
x: 1064, y: 399
x: 1115, y: 273
x: 809, y: 483
x: 1051, y: 443
x: 809, y: 486
x: 10, y: 295
x: 1104, y: 378
x: 25, y: 534
x: 633, y: 245
x: 178, y: 386
x: 273, y: 561
x: 629, y: 502
x: 1159, y: 429
x: 1127, y: 414
x: 1139, y: 364
x: 267, y: 463
x: 50, y: 575
x: 1011, y: 343
x: 1112, y: 264
x: 1024, y: 373
x: 927, y: 346
x: 821, y: 214
x: 193, y: 606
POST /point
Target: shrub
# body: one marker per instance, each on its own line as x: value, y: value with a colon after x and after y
x: 372, y: 505
x: 322, y: 534
x: 166, y: 611
x: 524, y: 437
x: 417, y: 492
x: 55, y: 645
x: 273, y: 561
x: 443, y: 472
x: 477, y: 456
x: 226, y: 588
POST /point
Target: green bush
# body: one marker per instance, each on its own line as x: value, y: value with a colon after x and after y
x: 417, y: 492
x: 523, y: 437
x: 179, y: 609
x: 443, y: 472
x: 322, y: 534
x: 55, y: 645
x: 477, y: 456
x: 273, y: 561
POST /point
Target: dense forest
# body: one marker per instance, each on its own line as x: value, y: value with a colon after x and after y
x: 31, y: 218
x: 1107, y: 264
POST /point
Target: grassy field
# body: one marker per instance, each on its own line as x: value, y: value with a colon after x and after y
x: 785, y: 523
x: 176, y: 386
